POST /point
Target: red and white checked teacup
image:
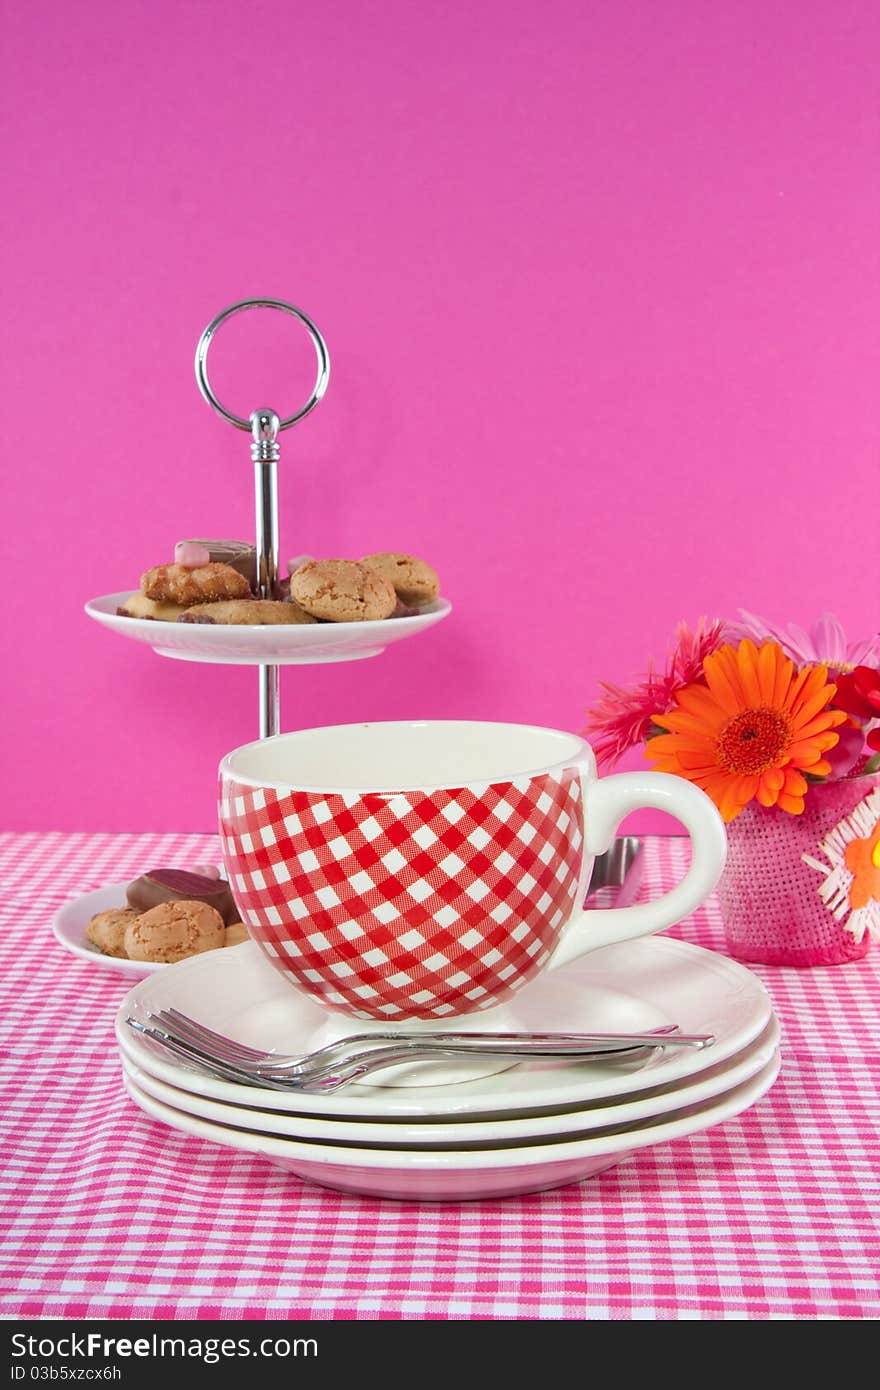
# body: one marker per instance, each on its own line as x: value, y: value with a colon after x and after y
x: 429, y: 869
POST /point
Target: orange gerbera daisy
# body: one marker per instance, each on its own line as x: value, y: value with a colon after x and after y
x: 756, y: 729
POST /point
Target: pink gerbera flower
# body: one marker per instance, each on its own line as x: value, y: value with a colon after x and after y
x: 623, y: 716
x: 824, y: 645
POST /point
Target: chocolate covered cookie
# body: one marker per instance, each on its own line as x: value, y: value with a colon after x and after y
x: 168, y: 885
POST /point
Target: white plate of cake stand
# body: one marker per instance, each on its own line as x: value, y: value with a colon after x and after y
x: 248, y: 645
x: 268, y: 647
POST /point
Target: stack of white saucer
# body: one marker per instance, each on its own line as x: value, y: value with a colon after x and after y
x: 426, y: 1135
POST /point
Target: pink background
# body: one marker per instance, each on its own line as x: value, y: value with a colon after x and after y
x: 600, y: 285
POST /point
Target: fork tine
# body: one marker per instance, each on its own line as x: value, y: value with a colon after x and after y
x: 257, y: 1064
x: 227, y: 1071
x: 191, y: 1054
x: 220, y: 1041
x: 239, y: 1054
x: 181, y: 1025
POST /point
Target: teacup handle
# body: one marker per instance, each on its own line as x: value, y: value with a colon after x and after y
x: 606, y: 801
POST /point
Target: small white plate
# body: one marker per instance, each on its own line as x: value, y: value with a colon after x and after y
x: 470, y: 1133
x: 253, y: 645
x: 70, y: 922
x: 637, y: 985
x: 463, y: 1174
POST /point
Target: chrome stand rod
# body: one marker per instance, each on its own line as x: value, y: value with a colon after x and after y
x: 270, y: 703
x: 264, y: 452
x: 264, y: 426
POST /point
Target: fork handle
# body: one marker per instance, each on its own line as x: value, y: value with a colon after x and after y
x: 362, y: 1064
x: 548, y: 1042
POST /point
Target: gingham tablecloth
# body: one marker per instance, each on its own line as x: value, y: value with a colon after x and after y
x: 108, y: 1214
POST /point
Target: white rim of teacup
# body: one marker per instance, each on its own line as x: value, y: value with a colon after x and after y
x: 580, y: 758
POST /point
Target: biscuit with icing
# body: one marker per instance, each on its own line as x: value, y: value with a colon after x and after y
x: 186, y: 586
x: 239, y: 555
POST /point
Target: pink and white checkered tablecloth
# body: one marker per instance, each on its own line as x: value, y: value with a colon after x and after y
x: 109, y: 1214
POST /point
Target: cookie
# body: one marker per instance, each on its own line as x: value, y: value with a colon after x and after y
x: 236, y: 933
x: 342, y: 591
x: 169, y: 885
x: 186, y: 586
x: 107, y: 930
x: 239, y: 555
x: 259, y: 611
x: 138, y: 606
x: 173, y: 931
x: 415, y: 581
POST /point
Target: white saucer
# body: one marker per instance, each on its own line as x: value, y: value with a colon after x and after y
x: 253, y: 645
x: 633, y: 986
x: 463, y: 1174
x: 469, y: 1133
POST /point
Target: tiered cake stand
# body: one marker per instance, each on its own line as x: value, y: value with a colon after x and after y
x: 268, y: 648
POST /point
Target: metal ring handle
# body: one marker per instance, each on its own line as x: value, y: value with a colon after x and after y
x: 314, y: 333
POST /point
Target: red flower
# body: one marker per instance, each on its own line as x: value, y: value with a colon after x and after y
x: 623, y: 716
x: 858, y: 692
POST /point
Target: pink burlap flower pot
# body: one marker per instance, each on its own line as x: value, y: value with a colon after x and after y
x: 805, y: 890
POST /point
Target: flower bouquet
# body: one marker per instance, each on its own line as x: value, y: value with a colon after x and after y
x: 781, y: 728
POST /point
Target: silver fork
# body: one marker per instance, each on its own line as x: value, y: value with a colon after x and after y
x: 326, y: 1080
x: 326, y: 1070
x: 218, y: 1045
